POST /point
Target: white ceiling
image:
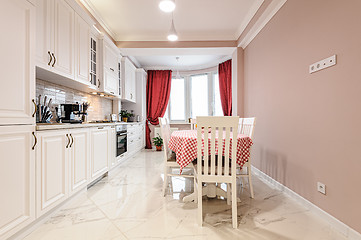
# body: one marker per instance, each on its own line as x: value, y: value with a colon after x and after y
x: 189, y: 58
x: 195, y: 20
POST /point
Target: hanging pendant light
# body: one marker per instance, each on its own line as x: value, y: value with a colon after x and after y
x: 172, y: 36
x: 167, y: 5
x: 177, y: 76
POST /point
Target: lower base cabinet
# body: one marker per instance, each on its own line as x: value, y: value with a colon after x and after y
x: 62, y: 160
x: 79, y: 159
x: 99, y: 152
x: 52, y: 160
x: 17, y: 178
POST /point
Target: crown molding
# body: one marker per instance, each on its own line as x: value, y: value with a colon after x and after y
x: 251, y: 13
x: 267, y: 15
x: 88, y: 5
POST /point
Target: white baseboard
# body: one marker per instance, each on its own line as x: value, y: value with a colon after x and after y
x: 334, y: 222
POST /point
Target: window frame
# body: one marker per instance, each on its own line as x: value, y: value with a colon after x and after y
x: 187, y: 96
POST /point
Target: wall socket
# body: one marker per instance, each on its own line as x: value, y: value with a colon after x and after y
x: 325, y: 63
x: 321, y: 188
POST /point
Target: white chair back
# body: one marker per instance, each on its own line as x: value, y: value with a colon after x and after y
x: 207, y: 129
x: 165, y: 134
x: 193, y: 123
x: 248, y: 125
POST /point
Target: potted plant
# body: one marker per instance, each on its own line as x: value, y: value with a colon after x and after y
x: 125, y: 115
x: 158, y: 142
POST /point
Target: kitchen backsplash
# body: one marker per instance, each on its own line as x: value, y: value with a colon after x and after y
x: 100, y: 108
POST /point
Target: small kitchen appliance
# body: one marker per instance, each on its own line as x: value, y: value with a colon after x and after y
x: 72, y: 113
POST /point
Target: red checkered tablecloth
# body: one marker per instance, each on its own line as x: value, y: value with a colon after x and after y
x: 184, y: 144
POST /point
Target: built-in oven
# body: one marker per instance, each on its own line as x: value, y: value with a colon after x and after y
x: 121, y: 139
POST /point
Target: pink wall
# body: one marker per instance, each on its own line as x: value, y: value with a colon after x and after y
x: 309, y: 125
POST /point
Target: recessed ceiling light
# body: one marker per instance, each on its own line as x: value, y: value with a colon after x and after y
x: 167, y: 5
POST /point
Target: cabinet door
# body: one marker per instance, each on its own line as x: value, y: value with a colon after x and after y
x: 111, y: 82
x: 82, y: 50
x: 111, y: 147
x: 110, y: 58
x: 79, y: 159
x: 17, y: 178
x: 44, y: 32
x: 17, y: 17
x: 64, y: 39
x: 52, y: 169
x: 99, y: 152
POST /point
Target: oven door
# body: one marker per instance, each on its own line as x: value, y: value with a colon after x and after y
x: 121, y: 142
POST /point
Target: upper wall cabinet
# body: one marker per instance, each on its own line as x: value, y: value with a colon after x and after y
x: 17, y: 17
x: 82, y: 50
x: 55, y: 37
x: 128, y: 79
x: 110, y: 55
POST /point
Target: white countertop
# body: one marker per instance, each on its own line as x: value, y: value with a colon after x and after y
x: 56, y: 126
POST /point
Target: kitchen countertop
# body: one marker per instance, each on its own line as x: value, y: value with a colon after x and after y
x: 56, y: 126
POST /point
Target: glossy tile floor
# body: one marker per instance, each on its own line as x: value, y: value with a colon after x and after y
x: 128, y: 205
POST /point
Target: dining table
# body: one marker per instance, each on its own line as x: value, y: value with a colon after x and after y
x: 184, y: 144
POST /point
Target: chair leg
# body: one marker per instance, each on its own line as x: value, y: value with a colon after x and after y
x: 165, y: 182
x: 250, y: 181
x: 234, y: 205
x: 228, y: 194
x: 200, y: 212
x: 195, y: 190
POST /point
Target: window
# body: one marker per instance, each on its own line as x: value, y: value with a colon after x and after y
x: 177, y: 97
x: 217, y: 97
x: 199, y: 95
x: 194, y: 95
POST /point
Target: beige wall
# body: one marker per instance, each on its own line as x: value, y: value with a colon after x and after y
x: 309, y: 125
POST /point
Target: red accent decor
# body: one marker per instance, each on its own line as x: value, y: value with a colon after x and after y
x: 225, y: 86
x: 184, y: 144
x: 158, y: 91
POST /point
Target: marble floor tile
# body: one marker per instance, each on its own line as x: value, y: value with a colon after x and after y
x: 128, y: 204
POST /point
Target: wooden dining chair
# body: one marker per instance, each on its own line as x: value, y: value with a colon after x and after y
x: 193, y: 122
x: 170, y: 163
x: 247, y: 128
x: 211, y: 168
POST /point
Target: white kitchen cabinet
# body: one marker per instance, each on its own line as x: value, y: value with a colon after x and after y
x: 17, y: 18
x: 110, y: 54
x: 128, y: 80
x: 94, y: 59
x: 82, y: 50
x: 99, y: 152
x: 79, y: 159
x: 112, y: 147
x: 55, y: 37
x: 52, y: 155
x: 17, y: 177
x: 135, y: 138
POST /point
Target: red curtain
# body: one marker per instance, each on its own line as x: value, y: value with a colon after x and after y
x: 158, y: 91
x: 225, y: 86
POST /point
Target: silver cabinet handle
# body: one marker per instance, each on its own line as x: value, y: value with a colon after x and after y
x: 54, y: 59
x: 51, y: 58
x: 98, y: 83
x: 36, y: 141
x: 67, y: 135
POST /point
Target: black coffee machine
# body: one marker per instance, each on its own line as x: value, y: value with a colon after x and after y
x: 72, y: 113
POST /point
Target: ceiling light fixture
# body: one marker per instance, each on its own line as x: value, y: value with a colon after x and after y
x: 177, y: 76
x: 167, y: 5
x: 172, y: 36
